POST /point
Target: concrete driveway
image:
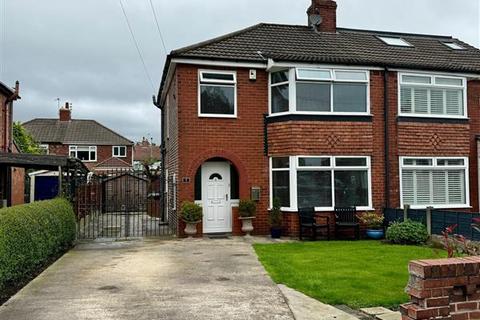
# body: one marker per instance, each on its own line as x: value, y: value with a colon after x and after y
x: 177, y: 279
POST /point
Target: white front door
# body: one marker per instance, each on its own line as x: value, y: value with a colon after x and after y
x: 217, y: 212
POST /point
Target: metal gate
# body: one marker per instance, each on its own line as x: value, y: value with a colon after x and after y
x: 121, y: 204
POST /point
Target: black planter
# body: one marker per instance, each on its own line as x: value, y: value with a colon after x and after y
x: 276, y: 233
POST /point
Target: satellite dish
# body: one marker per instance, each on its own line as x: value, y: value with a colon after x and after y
x: 315, y: 19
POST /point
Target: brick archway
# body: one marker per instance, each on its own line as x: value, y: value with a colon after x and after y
x: 228, y: 156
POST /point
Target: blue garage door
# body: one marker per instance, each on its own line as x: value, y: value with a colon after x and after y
x: 46, y: 188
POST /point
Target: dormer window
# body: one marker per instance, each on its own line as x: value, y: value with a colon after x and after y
x: 394, y: 41
x: 217, y: 94
x: 453, y: 45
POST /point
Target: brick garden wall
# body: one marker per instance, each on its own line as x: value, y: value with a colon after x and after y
x: 443, y: 289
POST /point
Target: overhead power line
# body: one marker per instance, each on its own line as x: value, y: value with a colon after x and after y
x: 135, y: 42
x: 158, y: 27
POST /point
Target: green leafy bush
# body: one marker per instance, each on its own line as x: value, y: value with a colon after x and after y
x: 407, y: 232
x: 32, y: 234
x: 247, y: 208
x: 191, y: 212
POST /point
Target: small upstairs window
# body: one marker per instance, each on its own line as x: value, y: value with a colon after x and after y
x: 119, y: 151
x: 394, y: 41
x: 217, y: 94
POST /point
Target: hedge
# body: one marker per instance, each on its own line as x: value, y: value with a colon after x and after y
x: 31, y: 235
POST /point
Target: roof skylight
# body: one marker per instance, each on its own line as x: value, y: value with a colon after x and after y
x: 392, y: 41
x: 453, y: 45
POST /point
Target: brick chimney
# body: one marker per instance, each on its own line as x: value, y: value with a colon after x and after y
x: 65, y: 112
x: 327, y: 9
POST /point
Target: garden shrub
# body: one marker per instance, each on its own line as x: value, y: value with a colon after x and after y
x: 407, y: 232
x: 31, y: 235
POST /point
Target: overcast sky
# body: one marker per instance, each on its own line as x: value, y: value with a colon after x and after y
x: 81, y: 50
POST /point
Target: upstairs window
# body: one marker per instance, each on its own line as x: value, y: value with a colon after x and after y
x: 119, y: 151
x: 397, y: 42
x: 84, y: 153
x: 319, y: 91
x: 217, y: 94
x: 432, y: 96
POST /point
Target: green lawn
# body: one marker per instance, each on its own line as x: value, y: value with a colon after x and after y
x: 358, y: 274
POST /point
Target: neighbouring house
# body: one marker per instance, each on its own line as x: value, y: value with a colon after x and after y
x: 320, y: 116
x: 146, y: 152
x: 98, y: 147
x: 12, y: 187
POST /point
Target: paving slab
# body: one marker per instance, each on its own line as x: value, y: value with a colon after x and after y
x: 306, y: 308
x: 376, y: 311
x: 176, y: 279
x: 390, y: 316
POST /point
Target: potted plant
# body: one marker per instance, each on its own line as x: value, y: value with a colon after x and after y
x: 192, y: 215
x: 374, y: 223
x: 275, y: 219
x: 246, y: 211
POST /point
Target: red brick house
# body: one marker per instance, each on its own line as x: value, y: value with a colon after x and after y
x: 320, y: 116
x: 11, y: 179
x: 100, y: 148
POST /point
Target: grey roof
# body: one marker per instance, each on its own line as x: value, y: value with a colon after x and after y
x: 4, y: 89
x: 293, y: 43
x: 73, y: 132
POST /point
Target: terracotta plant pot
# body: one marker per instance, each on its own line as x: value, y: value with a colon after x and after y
x: 247, y: 225
x: 191, y: 228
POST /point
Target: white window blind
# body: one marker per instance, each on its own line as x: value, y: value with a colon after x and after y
x: 432, y: 95
x: 440, y: 184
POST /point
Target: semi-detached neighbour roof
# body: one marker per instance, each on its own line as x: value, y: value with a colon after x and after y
x: 73, y: 132
x: 301, y: 44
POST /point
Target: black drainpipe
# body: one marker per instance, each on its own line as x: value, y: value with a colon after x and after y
x: 156, y: 103
x: 386, y: 137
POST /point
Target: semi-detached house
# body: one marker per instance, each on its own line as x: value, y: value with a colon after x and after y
x: 320, y: 116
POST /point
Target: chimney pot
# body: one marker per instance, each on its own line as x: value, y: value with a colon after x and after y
x: 327, y: 9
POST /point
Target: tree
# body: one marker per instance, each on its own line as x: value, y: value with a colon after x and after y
x: 24, y: 140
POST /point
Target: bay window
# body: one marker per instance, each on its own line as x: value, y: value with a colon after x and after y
x: 436, y: 182
x: 319, y: 91
x: 432, y: 96
x: 322, y: 182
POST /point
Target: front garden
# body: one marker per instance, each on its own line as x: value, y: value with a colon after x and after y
x: 358, y: 274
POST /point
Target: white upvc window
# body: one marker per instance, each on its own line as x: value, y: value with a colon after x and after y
x: 312, y: 91
x: 322, y: 182
x: 44, y: 148
x: 119, y: 151
x: 434, y: 182
x: 436, y: 96
x: 84, y: 153
x: 217, y: 94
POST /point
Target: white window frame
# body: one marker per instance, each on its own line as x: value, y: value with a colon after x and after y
x: 405, y: 44
x: 214, y: 82
x: 45, y: 147
x: 454, y: 45
x: 433, y: 77
x: 292, y: 93
x: 90, y: 149
x: 117, y: 148
x: 435, y: 166
x: 294, y: 168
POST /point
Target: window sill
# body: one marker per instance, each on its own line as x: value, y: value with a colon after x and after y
x: 418, y: 207
x: 220, y: 116
x: 294, y: 210
x: 283, y: 117
x: 430, y: 119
